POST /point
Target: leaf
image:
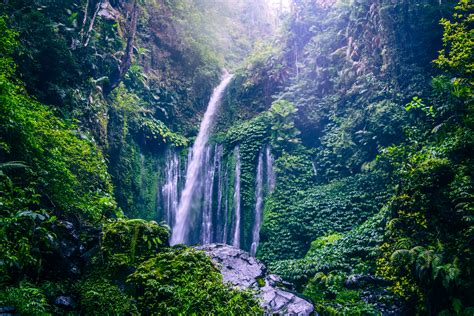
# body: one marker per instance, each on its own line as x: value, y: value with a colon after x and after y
x: 457, y: 305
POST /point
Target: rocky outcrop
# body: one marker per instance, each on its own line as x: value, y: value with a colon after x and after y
x: 246, y: 272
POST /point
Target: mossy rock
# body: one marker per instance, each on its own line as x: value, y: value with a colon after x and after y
x: 127, y: 242
x: 185, y: 281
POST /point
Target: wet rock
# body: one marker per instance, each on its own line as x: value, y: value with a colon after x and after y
x: 246, y: 272
x: 65, y: 302
x: 276, y: 281
x: 67, y: 229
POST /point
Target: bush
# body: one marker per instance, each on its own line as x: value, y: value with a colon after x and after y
x: 127, y: 242
x: 100, y: 297
x: 185, y: 281
x: 27, y: 299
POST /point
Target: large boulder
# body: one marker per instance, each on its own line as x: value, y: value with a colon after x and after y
x: 246, y: 272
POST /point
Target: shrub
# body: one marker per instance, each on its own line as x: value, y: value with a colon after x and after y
x: 185, y: 281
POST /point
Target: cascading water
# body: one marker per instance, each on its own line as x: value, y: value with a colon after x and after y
x: 271, y: 177
x: 195, y: 163
x: 207, y: 208
x: 217, y: 213
x: 226, y: 210
x: 170, y: 189
x: 258, y: 205
x: 237, y: 214
x: 208, y: 189
x: 221, y: 185
x: 315, y: 171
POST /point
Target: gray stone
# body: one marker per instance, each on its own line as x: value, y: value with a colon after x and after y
x: 245, y: 272
x: 65, y: 302
x: 108, y: 12
x: 357, y: 280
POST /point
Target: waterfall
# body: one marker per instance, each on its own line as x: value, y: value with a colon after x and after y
x: 258, y: 205
x: 215, y: 212
x: 209, y: 172
x: 226, y: 210
x: 195, y: 163
x: 271, y: 177
x: 218, y: 232
x: 236, y: 239
x: 315, y: 171
x: 170, y: 190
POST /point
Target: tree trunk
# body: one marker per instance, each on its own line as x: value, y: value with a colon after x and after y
x: 126, y: 60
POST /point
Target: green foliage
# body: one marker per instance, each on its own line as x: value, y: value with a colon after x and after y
x: 297, y: 212
x: 127, y: 242
x: 100, y: 296
x: 26, y: 298
x: 321, y: 242
x: 284, y: 131
x: 340, y: 73
x: 136, y: 140
x: 417, y: 103
x: 62, y: 173
x: 330, y: 297
x: 184, y: 281
x: 354, y: 252
x: 25, y: 238
x: 9, y: 44
x: 457, y: 55
x: 70, y: 172
x: 137, y: 120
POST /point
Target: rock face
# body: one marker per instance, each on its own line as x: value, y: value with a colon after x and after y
x: 244, y: 271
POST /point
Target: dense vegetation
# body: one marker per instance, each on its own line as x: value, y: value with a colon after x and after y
x: 87, y: 90
x: 367, y: 106
x: 381, y: 129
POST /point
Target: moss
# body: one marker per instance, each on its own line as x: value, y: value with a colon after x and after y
x: 260, y: 282
x: 126, y: 242
x: 185, y: 281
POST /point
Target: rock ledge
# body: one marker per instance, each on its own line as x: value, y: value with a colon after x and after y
x: 244, y: 271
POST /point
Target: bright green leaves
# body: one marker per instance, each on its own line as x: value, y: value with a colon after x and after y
x: 8, y: 42
x: 284, y: 132
x: 417, y: 103
x: 24, y: 238
x: 331, y: 297
x: 137, y: 120
x: 69, y: 172
x: 26, y: 298
x: 99, y: 296
x: 457, y: 56
x: 458, y: 41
